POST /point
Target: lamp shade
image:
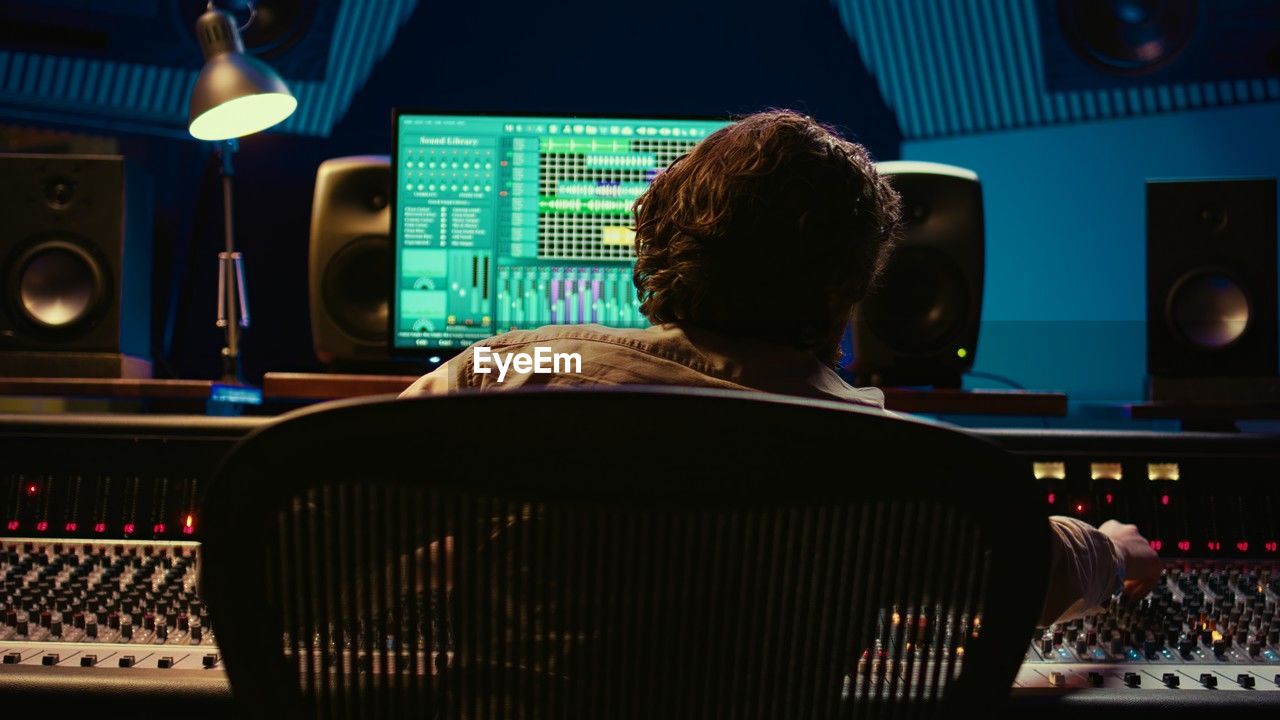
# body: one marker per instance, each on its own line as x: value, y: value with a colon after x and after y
x: 235, y: 94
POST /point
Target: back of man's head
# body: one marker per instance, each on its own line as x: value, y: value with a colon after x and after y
x: 770, y: 228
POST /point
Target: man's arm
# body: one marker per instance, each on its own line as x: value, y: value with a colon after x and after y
x: 1087, y: 565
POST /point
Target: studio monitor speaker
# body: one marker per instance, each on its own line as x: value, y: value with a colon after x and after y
x: 1173, y: 44
x: 75, y: 258
x: 1211, y: 288
x: 350, y: 260
x: 919, y: 323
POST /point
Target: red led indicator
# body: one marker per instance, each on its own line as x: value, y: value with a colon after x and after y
x: 1110, y: 498
x: 12, y: 525
x: 1215, y: 546
x: 1184, y: 545
x: 1164, y: 499
x: 1052, y: 498
x: 189, y: 525
x: 1243, y: 546
x: 157, y: 528
x: 100, y: 527
x: 1079, y: 508
x: 70, y: 527
x: 31, y: 489
x: 129, y: 528
x: 1271, y: 546
x: 42, y: 526
x: 1157, y: 545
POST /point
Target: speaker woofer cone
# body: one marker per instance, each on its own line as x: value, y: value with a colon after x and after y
x: 355, y: 288
x: 921, y: 304
x: 1208, y: 309
x: 59, y: 284
x: 1129, y: 37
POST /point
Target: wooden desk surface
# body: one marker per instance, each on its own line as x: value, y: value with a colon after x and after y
x: 321, y: 386
x: 312, y: 386
x: 107, y: 388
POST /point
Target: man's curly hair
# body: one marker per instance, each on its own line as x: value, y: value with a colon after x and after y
x: 770, y: 228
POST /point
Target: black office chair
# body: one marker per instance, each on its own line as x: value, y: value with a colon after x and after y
x: 629, y: 553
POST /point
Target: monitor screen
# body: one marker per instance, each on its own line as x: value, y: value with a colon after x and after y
x: 505, y: 223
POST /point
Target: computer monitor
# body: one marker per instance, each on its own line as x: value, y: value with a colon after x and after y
x: 505, y: 222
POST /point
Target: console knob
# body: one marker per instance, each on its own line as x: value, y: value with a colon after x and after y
x: 1245, y: 680
x: 1132, y: 679
x: 1185, y: 646
x: 1170, y: 679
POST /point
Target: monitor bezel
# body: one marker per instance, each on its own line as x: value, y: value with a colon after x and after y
x: 421, y: 353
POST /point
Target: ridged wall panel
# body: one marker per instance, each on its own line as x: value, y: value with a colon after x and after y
x: 952, y: 67
x: 37, y: 87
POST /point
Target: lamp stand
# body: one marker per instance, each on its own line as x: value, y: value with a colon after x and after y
x: 233, y: 304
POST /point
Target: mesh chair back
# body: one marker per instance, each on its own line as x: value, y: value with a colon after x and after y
x: 621, y: 554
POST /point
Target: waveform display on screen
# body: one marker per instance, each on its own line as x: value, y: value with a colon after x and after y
x: 532, y: 296
x: 586, y: 189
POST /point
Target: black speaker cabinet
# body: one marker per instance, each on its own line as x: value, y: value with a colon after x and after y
x: 75, y: 258
x: 1211, y: 286
x: 351, y: 264
x: 919, y: 324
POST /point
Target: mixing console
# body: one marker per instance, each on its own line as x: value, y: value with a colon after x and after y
x: 141, y: 594
x: 99, y: 559
x: 1206, y: 626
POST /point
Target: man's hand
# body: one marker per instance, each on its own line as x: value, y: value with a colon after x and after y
x: 1141, y: 563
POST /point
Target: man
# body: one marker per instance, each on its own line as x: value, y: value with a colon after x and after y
x: 751, y: 252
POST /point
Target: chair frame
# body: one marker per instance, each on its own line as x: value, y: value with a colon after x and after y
x: 806, y: 443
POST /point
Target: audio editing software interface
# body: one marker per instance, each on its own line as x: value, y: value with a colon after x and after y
x: 505, y: 223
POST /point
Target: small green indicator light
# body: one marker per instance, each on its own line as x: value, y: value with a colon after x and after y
x: 961, y: 352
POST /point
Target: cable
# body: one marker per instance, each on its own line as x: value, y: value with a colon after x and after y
x: 1005, y: 381
x: 996, y: 378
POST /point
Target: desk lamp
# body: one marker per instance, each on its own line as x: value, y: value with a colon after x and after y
x: 235, y: 95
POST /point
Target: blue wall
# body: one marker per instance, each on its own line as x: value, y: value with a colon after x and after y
x: 1065, y: 301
